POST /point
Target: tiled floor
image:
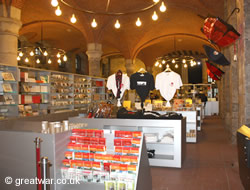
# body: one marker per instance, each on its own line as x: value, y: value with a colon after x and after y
x: 211, y: 164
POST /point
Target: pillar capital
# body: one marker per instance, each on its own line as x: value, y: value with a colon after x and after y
x: 94, y: 53
x: 9, y: 27
x: 129, y: 66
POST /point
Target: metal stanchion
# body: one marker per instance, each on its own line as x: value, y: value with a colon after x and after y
x: 38, y: 156
x: 45, y: 165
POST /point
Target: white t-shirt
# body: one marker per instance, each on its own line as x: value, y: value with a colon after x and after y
x: 167, y: 83
x: 111, y: 85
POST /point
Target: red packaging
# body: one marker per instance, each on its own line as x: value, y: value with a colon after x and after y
x: 115, y: 166
x: 106, y: 166
x: 127, y: 134
x: 70, y: 146
x: 123, y: 167
x: 82, y: 132
x: 80, y: 140
x: 84, y: 147
x: 66, y: 163
x: 126, y: 142
x: 92, y: 148
x: 132, y: 168
x: 118, y: 149
x: 98, y: 156
x: 117, y: 158
x: 68, y: 155
x: 90, y: 133
x: 134, y: 150
x: 107, y: 157
x: 125, y: 158
x: 100, y: 148
x: 94, y: 141
x: 91, y: 156
x: 78, y: 156
x: 77, y: 147
x: 87, y: 164
x: 117, y: 142
x: 73, y: 139
x: 85, y: 156
x: 118, y: 134
x: 99, y: 133
x: 75, y: 132
x: 96, y: 165
x: 136, y: 142
x: 126, y: 150
x: 102, y: 141
x: 137, y: 134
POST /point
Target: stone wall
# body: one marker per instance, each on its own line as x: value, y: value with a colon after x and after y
x: 234, y: 87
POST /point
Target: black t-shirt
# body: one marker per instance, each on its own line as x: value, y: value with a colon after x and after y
x: 142, y: 83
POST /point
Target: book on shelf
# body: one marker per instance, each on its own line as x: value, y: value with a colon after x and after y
x: 7, y: 76
x: 44, y: 78
x: 44, y: 89
x: 8, y: 99
x: 26, y: 88
x: 7, y: 87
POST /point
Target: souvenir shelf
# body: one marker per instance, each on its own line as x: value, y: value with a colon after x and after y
x: 8, y: 91
x: 61, y: 92
x: 34, y: 91
x: 171, y: 136
x: 98, y: 89
x: 82, y: 92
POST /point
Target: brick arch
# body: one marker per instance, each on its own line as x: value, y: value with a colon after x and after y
x: 15, y: 3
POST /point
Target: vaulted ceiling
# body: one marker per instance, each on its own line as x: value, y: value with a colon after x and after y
x: 176, y: 29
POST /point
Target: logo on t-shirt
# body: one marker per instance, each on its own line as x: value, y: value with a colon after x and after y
x: 172, y: 84
x: 141, y: 83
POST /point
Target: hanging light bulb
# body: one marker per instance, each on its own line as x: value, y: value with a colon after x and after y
x: 160, y: 65
x: 191, y: 64
x: 157, y: 63
x: 183, y: 60
x: 45, y: 53
x: 167, y: 65
x: 191, y: 61
x: 59, y: 61
x: 194, y: 63
x: 26, y: 60
x: 117, y: 24
x: 18, y: 58
x: 38, y: 61
x: 31, y: 53
x: 138, y: 22
x: 20, y: 54
x: 73, y: 19
x: 49, y: 61
x: 198, y: 62
x: 65, y: 58
x: 173, y: 61
x: 58, y: 11
x: 176, y: 66
x: 54, y: 3
x: 185, y: 66
x: 163, y: 62
x: 94, y: 23
x: 156, y: 1
x: 154, y: 16
x: 163, y: 8
x: 58, y: 55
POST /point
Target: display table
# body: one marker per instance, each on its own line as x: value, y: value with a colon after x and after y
x: 212, y: 108
x: 17, y: 160
x: 166, y: 154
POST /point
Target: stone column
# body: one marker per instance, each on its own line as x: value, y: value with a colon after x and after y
x: 94, y: 53
x: 129, y: 66
x: 9, y: 27
x: 150, y: 69
x: 204, y: 72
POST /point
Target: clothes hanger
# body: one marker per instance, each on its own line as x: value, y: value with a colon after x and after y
x: 168, y: 69
x: 141, y: 70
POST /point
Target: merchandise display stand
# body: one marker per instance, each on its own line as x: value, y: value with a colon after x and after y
x: 20, y: 162
x: 166, y: 154
x: 191, y: 124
